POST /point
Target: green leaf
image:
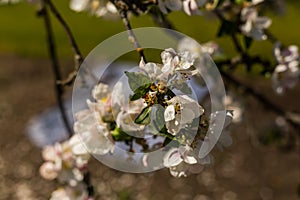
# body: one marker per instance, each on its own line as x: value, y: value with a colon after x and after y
x: 248, y: 41
x: 144, y: 117
x: 140, y: 92
x: 137, y: 79
x: 119, y: 135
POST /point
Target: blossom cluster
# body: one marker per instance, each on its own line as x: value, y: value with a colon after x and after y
x: 253, y: 25
x: 67, y: 163
x: 116, y: 116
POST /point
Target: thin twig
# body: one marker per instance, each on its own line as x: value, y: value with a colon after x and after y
x: 77, y: 54
x: 132, y: 37
x: 55, y: 67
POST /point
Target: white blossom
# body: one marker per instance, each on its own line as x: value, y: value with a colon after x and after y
x: 70, y: 193
x: 48, y: 171
x: 127, y: 111
x: 254, y: 25
x: 286, y: 73
x: 99, y: 8
x: 182, y: 161
x: 5, y: 2
x: 100, y: 92
x: 196, y: 50
x: 94, y: 133
x: 190, y: 7
x: 181, y: 110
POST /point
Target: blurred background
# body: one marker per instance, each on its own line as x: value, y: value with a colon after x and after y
x: 258, y: 165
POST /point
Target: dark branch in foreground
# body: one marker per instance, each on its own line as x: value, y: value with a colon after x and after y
x: 55, y: 66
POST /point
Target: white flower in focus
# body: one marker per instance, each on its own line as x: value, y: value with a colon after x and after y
x: 173, y: 61
x: 93, y: 133
x: 126, y: 111
x: 181, y: 110
x: 286, y: 74
x: 254, y: 25
x: 152, y: 70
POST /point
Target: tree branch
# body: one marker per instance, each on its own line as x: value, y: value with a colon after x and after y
x: 77, y: 54
x: 265, y: 101
x: 55, y: 66
x: 132, y: 37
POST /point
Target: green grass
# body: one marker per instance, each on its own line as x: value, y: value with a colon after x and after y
x: 22, y: 32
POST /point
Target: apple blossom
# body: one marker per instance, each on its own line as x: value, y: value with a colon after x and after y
x: 181, y: 110
x: 99, y: 8
x: 286, y: 73
x: 254, y: 25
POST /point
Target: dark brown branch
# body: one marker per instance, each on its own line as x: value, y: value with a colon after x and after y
x: 55, y: 66
x: 77, y: 54
x: 265, y: 101
x: 131, y: 34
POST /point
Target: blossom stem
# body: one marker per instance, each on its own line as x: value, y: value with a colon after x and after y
x: 132, y: 37
x: 55, y: 66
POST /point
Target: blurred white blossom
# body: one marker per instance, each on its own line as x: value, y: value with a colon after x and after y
x: 254, y: 25
x: 190, y: 7
x: 5, y: 2
x: 286, y: 73
x: 99, y: 8
x: 196, y: 50
x: 182, y: 161
x: 70, y: 193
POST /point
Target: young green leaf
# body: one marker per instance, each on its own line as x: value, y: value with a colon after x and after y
x: 119, y: 135
x: 144, y: 117
x: 137, y: 79
x: 140, y: 92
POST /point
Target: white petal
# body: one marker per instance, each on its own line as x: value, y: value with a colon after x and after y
x: 172, y: 158
x: 169, y: 113
x: 263, y: 22
x: 79, y: 5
